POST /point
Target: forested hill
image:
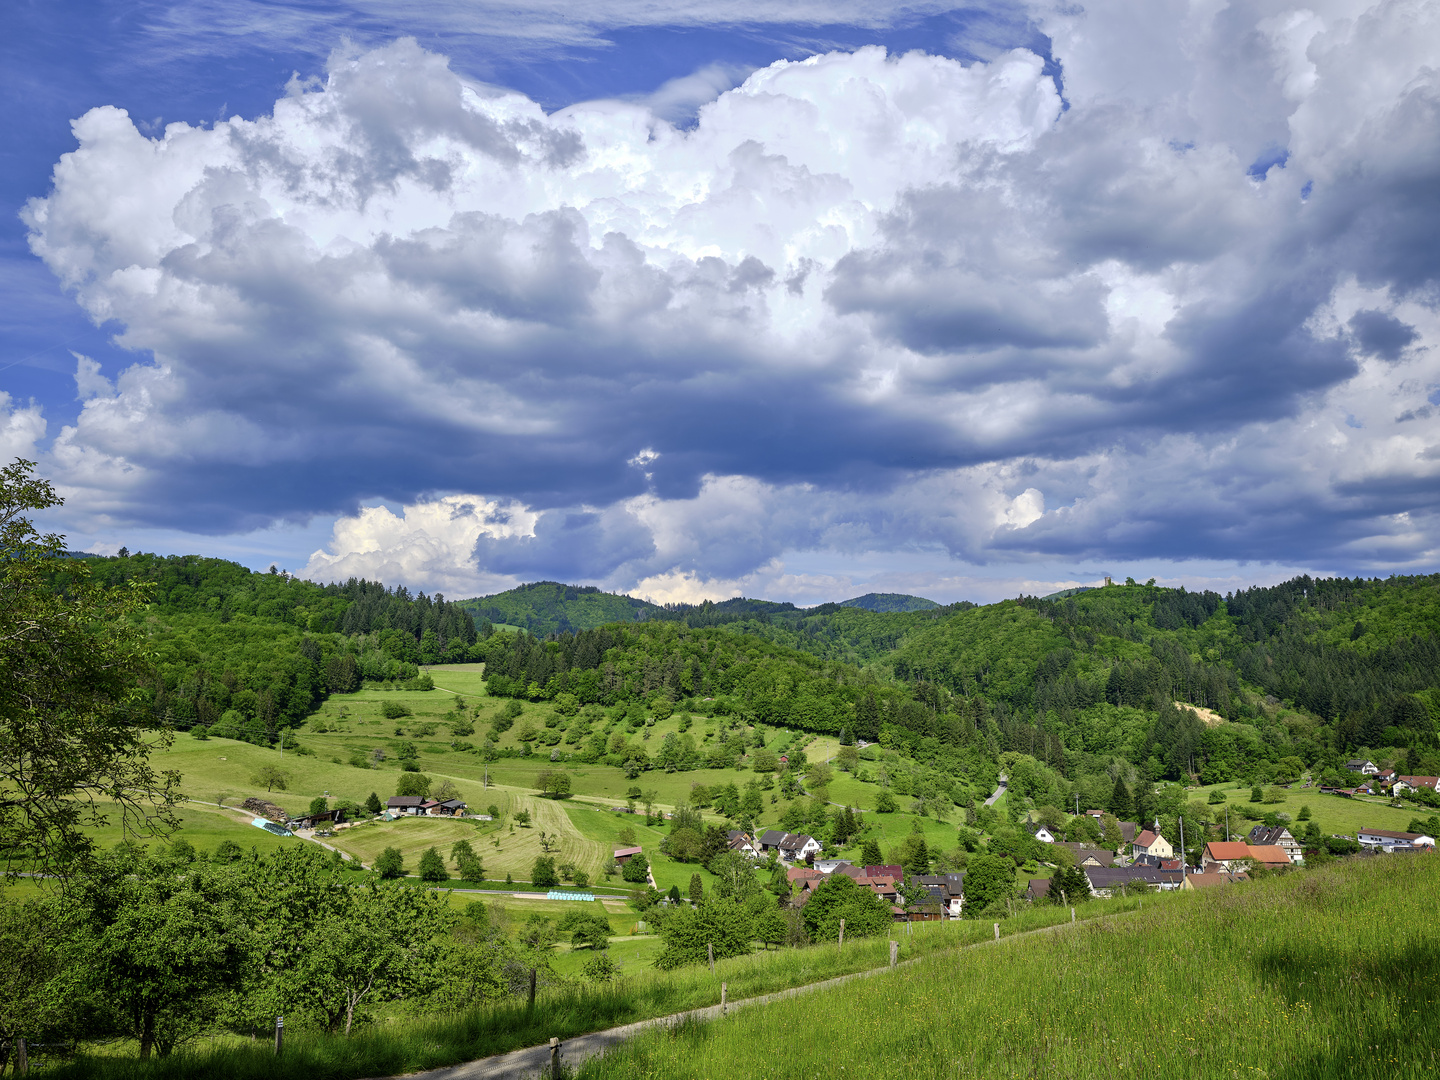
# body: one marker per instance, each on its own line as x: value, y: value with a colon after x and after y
x: 1305, y: 674
x: 250, y: 653
x: 548, y: 607
x: 889, y: 601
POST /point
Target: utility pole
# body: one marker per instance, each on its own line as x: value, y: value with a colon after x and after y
x: 1182, y: 851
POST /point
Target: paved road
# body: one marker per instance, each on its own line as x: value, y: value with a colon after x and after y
x: 995, y: 795
x: 527, y: 1064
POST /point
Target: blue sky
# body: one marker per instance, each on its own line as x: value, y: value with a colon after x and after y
x: 970, y: 302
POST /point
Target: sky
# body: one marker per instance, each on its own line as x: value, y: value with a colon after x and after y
x: 700, y: 300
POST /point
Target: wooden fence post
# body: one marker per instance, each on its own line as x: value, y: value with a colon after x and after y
x: 840, y: 944
x: 710, y: 952
x: 724, y: 989
x: 22, y: 1061
x: 1072, y: 914
x: 997, y: 931
x: 531, y: 1005
x: 554, y: 1058
x: 279, y: 1034
x: 894, y: 952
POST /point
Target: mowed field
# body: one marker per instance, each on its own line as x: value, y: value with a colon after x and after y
x: 1335, y: 814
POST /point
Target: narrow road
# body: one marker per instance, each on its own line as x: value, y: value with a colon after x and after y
x: 527, y: 1064
x: 995, y: 795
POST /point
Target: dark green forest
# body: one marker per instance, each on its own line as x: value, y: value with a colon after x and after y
x: 248, y: 654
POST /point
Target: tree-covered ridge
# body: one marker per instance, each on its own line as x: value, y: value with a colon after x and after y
x: 890, y: 601
x: 247, y: 654
x: 548, y: 607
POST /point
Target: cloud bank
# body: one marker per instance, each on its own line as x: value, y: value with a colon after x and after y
x: 866, y: 304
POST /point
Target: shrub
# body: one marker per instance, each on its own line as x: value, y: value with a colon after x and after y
x: 393, y: 710
x: 601, y: 967
x: 885, y: 803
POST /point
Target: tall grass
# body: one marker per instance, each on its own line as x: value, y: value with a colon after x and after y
x: 409, y: 1044
x: 1334, y: 973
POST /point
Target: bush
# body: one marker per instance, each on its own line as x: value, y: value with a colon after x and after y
x: 390, y: 864
x: 1216, y: 796
x: 393, y: 710
x: 885, y: 803
x: 600, y: 967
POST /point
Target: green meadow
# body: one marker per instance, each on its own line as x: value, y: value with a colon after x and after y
x: 1330, y: 973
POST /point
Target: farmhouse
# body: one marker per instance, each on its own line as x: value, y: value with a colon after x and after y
x: 405, y: 804
x: 1279, y: 836
x: 1222, y: 854
x: 1273, y: 857
x: 1385, y: 840
x: 1410, y: 783
x: 1104, y: 880
x: 946, y: 889
x: 795, y: 847
x: 1089, y: 856
x: 447, y: 808
x: 739, y: 842
x: 1362, y: 766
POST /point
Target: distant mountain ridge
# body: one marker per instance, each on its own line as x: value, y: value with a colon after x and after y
x: 890, y: 601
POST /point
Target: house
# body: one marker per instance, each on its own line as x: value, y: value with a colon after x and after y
x: 896, y: 872
x: 854, y: 873
x: 1274, y: 857
x: 1040, y: 832
x: 1279, y: 836
x: 948, y: 889
x: 1129, y: 830
x: 1150, y: 842
x: 798, y: 875
x: 624, y: 854
x: 405, y: 804
x: 887, y: 888
x: 1038, y: 889
x: 770, y: 840
x: 738, y: 841
x: 1385, y: 840
x: 930, y: 909
x: 1223, y: 854
x: 447, y: 808
x: 829, y: 866
x: 1410, y: 783
x: 1363, y: 767
x: 1089, y: 856
x: 1208, y: 881
x: 796, y: 847
x: 1104, y: 880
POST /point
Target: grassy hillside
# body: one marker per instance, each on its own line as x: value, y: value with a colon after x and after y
x: 1330, y: 974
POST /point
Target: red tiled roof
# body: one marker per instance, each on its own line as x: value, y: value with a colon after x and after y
x: 1145, y: 839
x: 1224, y: 850
x: 1270, y: 854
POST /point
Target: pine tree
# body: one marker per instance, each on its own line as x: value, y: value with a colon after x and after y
x: 697, y: 889
x: 372, y: 805
x: 1121, y: 805
x: 870, y: 853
